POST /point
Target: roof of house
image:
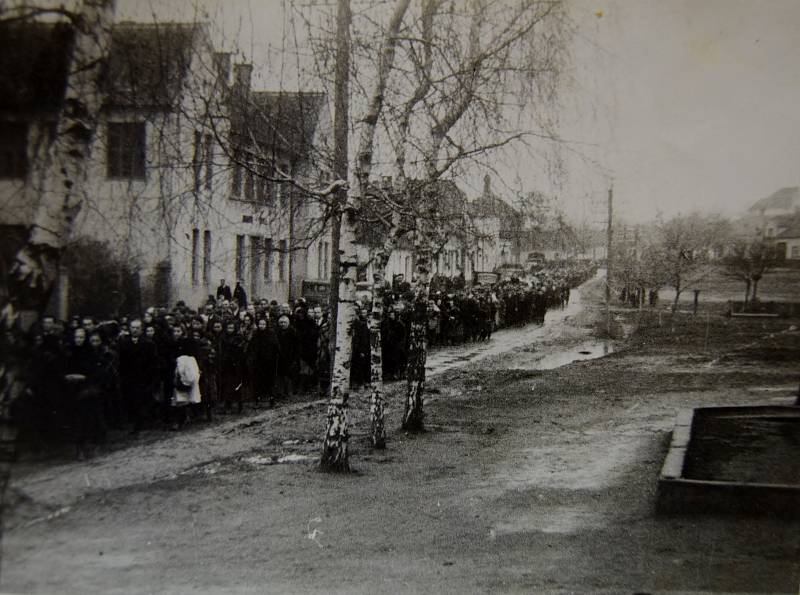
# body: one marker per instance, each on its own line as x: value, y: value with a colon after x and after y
x: 146, y: 67
x: 283, y: 123
x: 785, y: 198
x: 491, y: 205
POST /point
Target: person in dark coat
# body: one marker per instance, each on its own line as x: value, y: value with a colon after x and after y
x: 240, y: 295
x: 41, y: 415
x: 308, y: 333
x: 107, y: 380
x: 263, y: 352
x: 83, y: 392
x: 393, y: 341
x: 232, y: 366
x: 224, y: 291
x: 138, y: 372
x: 289, y: 358
x: 208, y: 376
x: 324, y: 354
x: 359, y: 366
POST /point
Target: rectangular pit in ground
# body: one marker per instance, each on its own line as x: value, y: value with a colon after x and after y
x: 733, y: 460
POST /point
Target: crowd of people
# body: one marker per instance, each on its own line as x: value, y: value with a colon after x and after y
x: 168, y: 367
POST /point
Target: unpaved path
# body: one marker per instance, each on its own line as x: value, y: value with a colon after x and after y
x: 163, y: 456
x: 527, y: 481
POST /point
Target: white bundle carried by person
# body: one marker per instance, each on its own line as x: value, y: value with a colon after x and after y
x: 187, y: 381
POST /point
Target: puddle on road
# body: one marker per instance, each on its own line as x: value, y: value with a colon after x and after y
x: 585, y: 351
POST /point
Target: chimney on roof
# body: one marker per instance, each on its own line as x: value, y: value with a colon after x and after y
x: 242, y: 74
x: 222, y: 66
x: 487, y: 185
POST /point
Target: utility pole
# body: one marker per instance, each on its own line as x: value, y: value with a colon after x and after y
x: 609, y: 238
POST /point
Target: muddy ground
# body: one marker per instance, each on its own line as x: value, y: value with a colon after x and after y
x: 527, y: 480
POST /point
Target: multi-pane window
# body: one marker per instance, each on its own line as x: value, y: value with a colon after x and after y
x: 13, y: 149
x: 126, y: 150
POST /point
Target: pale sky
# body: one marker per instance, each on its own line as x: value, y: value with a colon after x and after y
x: 686, y: 104
x: 700, y: 97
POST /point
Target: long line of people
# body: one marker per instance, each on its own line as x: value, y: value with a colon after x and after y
x: 169, y: 366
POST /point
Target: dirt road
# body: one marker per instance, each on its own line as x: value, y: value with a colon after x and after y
x: 528, y: 480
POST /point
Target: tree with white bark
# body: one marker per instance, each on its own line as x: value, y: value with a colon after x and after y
x: 479, y: 77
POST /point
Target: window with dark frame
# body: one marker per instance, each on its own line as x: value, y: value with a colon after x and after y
x: 256, y: 255
x: 239, y: 257
x: 198, y: 159
x: 125, y: 145
x: 206, y: 257
x: 249, y: 185
x: 209, y: 154
x: 13, y: 150
x: 319, y: 259
x: 195, y: 259
x: 236, y: 179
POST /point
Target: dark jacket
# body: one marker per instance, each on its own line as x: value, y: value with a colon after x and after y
x: 138, y: 363
x: 289, y: 358
x: 263, y: 352
x: 224, y: 291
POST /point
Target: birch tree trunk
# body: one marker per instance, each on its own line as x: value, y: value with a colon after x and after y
x: 335, y: 444
x: 363, y: 169
x: 377, y: 425
x: 413, y: 415
x: 59, y: 179
x: 334, y: 454
x: 380, y: 262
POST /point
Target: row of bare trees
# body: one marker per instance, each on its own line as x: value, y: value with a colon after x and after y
x: 436, y: 98
x: 683, y: 251
x: 453, y: 83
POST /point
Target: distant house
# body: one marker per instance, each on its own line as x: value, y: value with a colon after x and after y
x: 772, y: 215
x: 788, y: 241
x: 501, y: 226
